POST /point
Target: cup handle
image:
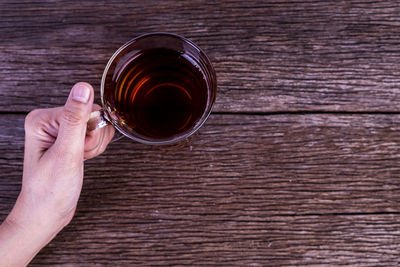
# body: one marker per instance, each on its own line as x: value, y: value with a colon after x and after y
x: 98, y: 120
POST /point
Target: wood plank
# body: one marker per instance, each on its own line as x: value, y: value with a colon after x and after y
x: 249, y: 190
x: 269, y: 55
x: 127, y: 239
x: 281, y: 164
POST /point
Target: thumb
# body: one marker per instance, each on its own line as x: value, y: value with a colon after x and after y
x: 73, y: 120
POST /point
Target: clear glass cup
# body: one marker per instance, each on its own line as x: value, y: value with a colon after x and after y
x: 127, y: 54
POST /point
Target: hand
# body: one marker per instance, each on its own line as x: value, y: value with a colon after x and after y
x: 56, y: 145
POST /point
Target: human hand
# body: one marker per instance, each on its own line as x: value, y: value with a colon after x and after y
x: 56, y: 145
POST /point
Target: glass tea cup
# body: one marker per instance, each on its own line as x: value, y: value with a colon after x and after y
x: 156, y: 89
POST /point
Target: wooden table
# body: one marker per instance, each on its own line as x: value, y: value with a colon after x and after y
x: 298, y: 164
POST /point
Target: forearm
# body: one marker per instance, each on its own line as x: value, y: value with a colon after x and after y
x: 21, y: 238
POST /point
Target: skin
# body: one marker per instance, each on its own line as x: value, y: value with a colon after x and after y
x: 56, y: 145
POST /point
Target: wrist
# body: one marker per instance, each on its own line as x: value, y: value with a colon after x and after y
x: 19, y: 244
x: 31, y: 218
x: 22, y: 236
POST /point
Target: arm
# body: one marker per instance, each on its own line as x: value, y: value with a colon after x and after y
x: 21, y: 240
x: 56, y: 146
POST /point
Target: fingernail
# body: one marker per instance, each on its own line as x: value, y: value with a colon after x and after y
x: 81, y: 93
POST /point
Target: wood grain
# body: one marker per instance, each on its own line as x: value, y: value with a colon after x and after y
x: 270, y: 56
x: 286, y: 189
x: 249, y: 190
x: 126, y: 239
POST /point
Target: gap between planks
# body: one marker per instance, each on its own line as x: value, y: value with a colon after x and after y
x: 269, y: 113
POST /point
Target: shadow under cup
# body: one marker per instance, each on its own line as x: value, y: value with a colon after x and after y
x: 158, y: 89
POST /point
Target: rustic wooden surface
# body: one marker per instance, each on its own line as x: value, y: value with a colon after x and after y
x: 297, y: 165
x: 269, y: 55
